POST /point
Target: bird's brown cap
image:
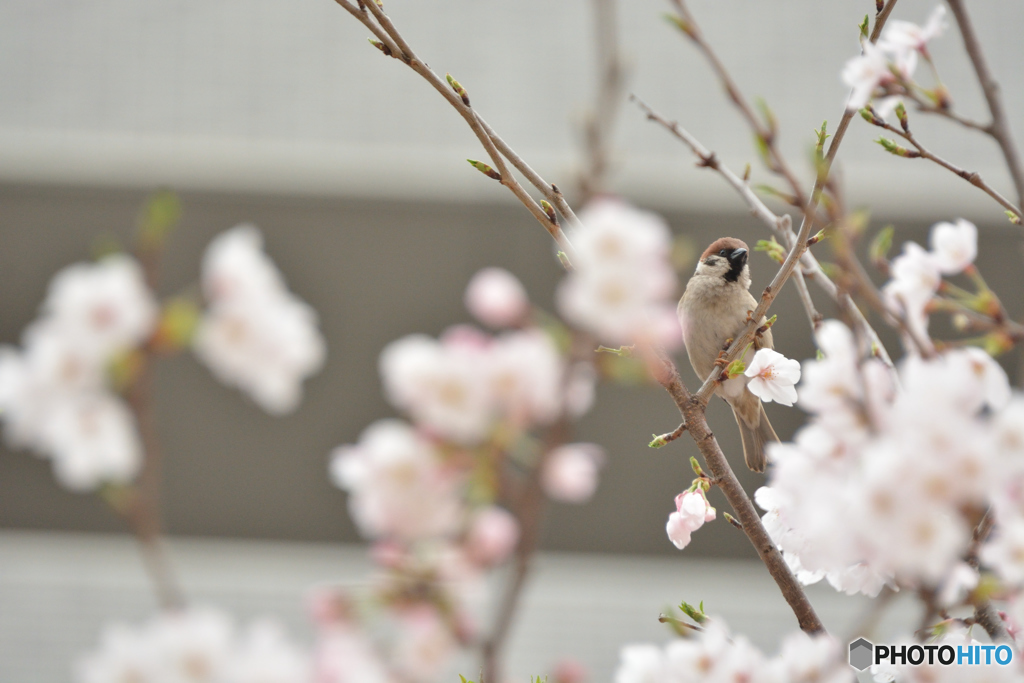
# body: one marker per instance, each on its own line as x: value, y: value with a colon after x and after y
x: 729, y: 243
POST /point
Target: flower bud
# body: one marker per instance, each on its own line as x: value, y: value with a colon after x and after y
x: 497, y: 298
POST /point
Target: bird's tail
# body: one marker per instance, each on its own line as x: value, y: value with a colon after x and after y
x: 754, y: 440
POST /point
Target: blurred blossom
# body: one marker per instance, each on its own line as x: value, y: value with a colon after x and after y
x: 954, y: 246
x: 266, y: 655
x: 915, y: 279
x: 345, y: 655
x: 692, y: 511
x: 53, y: 394
x: 497, y: 298
x: 569, y: 671
x: 439, y: 386
x: 255, y: 335
x: 194, y: 645
x: 866, y: 72
x: 460, y: 386
x: 570, y: 473
x: 104, y: 307
x: 581, y: 389
x: 424, y: 645
x: 773, y: 377
x: 623, y: 286
x: 493, y: 535
x: 715, y: 654
x: 876, y: 488
x: 916, y: 274
x: 398, y: 487
x: 904, y: 35
x: 93, y: 440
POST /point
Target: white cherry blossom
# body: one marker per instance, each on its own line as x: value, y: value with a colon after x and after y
x: 954, y: 246
x: 256, y: 335
x: 398, y: 487
x: 773, y: 377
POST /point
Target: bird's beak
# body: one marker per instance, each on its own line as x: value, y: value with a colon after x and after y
x: 738, y: 258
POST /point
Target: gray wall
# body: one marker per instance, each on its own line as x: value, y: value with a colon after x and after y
x: 374, y: 271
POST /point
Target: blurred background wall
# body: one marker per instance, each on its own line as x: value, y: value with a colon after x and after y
x: 279, y: 113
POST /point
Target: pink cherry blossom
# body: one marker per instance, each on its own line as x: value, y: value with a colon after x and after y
x: 492, y: 536
x: 773, y: 377
x: 692, y: 511
x: 570, y: 474
x: 497, y: 298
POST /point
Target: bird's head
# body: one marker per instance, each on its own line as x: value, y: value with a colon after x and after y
x: 726, y: 258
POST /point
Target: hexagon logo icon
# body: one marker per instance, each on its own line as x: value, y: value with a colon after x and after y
x: 861, y: 654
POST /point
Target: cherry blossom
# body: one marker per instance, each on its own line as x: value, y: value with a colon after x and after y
x: 192, y: 645
x: 954, y: 246
x: 865, y: 73
x: 105, y: 307
x: 256, y: 335
x: 497, y: 298
x: 398, y: 487
x: 714, y: 654
x: 773, y: 377
x: 493, y: 535
x: 570, y: 474
x: 873, y: 491
x: 623, y: 285
x: 904, y: 35
x: 692, y: 511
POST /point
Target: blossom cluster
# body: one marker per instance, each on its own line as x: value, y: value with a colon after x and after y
x: 623, y: 286
x: 917, y: 273
x: 256, y: 335
x: 431, y: 492
x: 892, y: 473
x: 58, y: 394
x: 714, y: 654
x: 195, y: 644
x: 892, y: 60
x: 54, y: 394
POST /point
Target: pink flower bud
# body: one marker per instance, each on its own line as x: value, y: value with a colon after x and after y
x: 569, y: 671
x: 492, y: 536
x: 570, y: 473
x: 496, y: 298
x: 692, y: 511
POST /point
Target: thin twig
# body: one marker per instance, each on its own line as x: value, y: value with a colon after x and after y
x: 970, y: 176
x: 1000, y: 127
x: 780, y: 225
x: 401, y: 49
x: 143, y: 509
x: 764, y: 132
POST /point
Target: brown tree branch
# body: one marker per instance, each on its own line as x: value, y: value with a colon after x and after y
x: 1000, y: 127
x: 142, y: 510
x: 600, y: 121
x: 692, y: 410
x: 398, y: 47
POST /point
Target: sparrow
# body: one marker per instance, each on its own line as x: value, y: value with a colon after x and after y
x: 715, y: 308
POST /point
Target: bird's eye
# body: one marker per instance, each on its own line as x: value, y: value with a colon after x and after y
x: 723, y: 252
